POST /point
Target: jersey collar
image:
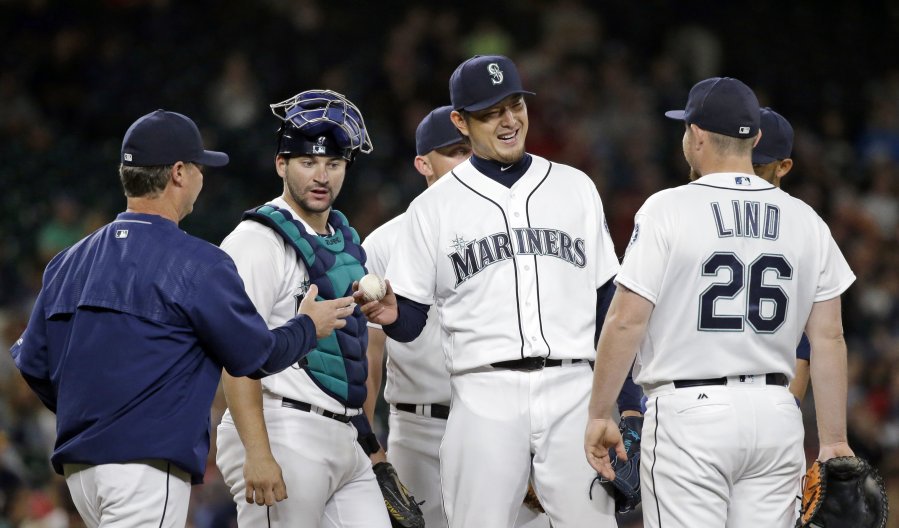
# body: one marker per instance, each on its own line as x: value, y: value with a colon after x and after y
x: 734, y: 180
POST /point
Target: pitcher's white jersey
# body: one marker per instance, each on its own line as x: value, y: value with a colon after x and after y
x: 733, y: 266
x: 416, y: 371
x: 513, y: 272
x: 275, y: 281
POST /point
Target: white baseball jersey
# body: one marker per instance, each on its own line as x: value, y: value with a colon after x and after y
x: 275, y: 280
x: 416, y: 371
x: 733, y: 266
x: 513, y: 272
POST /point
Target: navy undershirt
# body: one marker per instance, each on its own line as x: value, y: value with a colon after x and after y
x: 500, y: 172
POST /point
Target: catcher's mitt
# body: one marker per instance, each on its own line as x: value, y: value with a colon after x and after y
x: 625, y: 488
x: 843, y: 492
x: 404, y: 511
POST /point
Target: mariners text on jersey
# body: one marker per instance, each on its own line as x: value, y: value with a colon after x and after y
x: 472, y: 257
x: 750, y: 219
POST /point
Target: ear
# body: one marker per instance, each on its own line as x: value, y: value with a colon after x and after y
x: 423, y: 166
x: 758, y: 138
x: 281, y: 162
x: 783, y: 167
x: 699, y: 136
x: 458, y: 120
x: 179, y: 171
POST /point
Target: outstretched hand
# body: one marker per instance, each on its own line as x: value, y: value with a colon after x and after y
x: 601, y: 435
x: 383, y: 312
x: 328, y: 315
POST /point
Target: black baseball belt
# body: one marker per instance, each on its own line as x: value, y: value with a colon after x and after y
x: 434, y: 410
x: 536, y: 363
x: 307, y: 407
x: 770, y: 379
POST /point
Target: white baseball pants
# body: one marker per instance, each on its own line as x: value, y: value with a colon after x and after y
x: 329, y: 478
x: 413, y: 447
x: 143, y: 493
x: 723, y: 455
x: 500, y: 418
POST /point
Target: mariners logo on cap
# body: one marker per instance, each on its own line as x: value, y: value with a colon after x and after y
x: 320, y: 147
x: 496, y: 74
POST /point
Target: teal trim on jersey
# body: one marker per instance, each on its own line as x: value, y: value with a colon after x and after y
x: 337, y: 364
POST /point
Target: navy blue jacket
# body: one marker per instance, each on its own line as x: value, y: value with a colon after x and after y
x: 128, y: 338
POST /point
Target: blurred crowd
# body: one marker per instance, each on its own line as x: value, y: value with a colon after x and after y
x: 74, y: 75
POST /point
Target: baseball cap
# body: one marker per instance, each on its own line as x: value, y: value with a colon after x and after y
x: 484, y: 80
x: 777, y: 139
x: 723, y: 105
x: 436, y: 130
x: 163, y: 138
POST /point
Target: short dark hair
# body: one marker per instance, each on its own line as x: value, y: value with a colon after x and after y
x: 143, y: 181
x: 728, y: 145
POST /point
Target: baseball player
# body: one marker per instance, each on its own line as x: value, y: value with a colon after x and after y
x: 511, y: 249
x: 717, y: 284
x: 417, y: 386
x: 131, y: 330
x: 288, y: 447
x: 771, y: 162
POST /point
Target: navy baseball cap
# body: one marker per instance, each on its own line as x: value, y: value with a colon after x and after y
x: 777, y: 139
x: 484, y: 80
x: 163, y: 138
x: 723, y: 105
x: 436, y: 130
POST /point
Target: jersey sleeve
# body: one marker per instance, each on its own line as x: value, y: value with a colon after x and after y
x: 412, y: 270
x: 227, y: 323
x: 836, y: 276
x: 376, y: 252
x: 643, y: 268
x: 375, y: 246
x: 260, y: 263
x: 30, y: 354
x: 606, y: 259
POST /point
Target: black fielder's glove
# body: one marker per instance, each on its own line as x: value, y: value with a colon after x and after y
x: 843, y: 492
x: 404, y: 511
x: 625, y: 488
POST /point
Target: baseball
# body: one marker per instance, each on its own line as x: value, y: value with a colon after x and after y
x: 373, y: 288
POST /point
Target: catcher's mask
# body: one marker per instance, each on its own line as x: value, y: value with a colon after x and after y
x: 321, y: 123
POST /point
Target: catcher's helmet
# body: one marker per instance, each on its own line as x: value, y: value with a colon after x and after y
x: 321, y: 123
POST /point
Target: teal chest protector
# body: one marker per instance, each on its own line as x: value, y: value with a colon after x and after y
x: 338, y: 364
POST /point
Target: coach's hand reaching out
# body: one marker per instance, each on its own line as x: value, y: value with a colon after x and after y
x: 327, y: 315
x: 382, y: 312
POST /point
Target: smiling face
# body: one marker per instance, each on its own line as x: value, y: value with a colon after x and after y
x: 496, y: 133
